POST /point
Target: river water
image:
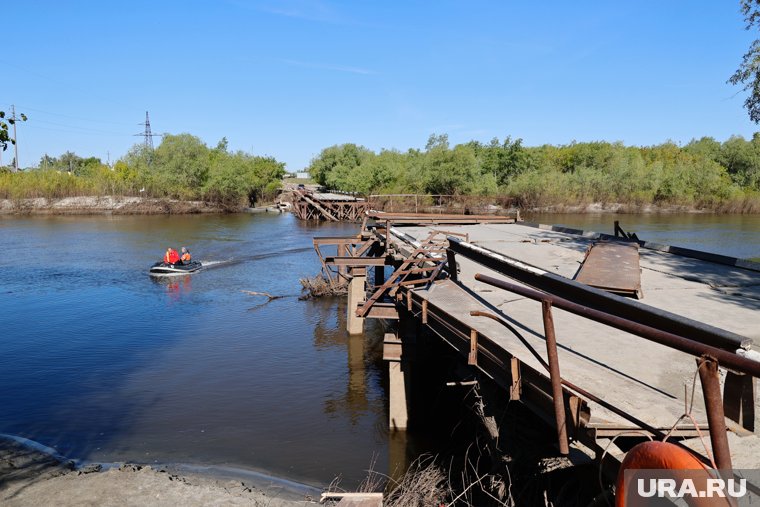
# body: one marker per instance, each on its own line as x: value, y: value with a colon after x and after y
x: 732, y: 235
x: 105, y: 364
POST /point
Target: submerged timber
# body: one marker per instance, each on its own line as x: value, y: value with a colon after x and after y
x: 613, y: 357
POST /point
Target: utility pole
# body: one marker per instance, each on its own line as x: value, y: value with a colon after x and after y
x: 15, y: 140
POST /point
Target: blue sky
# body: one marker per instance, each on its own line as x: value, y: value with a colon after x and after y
x: 289, y: 78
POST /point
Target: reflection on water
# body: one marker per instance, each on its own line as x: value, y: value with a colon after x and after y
x: 174, y: 284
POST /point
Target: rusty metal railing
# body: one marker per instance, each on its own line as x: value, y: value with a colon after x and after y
x: 708, y: 358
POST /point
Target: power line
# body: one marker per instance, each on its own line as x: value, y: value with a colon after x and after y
x: 68, y: 131
x: 24, y: 108
x: 99, y: 131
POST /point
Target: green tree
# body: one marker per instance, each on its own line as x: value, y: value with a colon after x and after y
x: 5, y: 123
x: 450, y: 172
x: 503, y: 160
x: 333, y: 166
x: 741, y: 158
x: 748, y: 73
x: 240, y: 179
x: 182, y: 162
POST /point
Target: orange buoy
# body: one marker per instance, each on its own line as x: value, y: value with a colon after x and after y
x: 664, y: 456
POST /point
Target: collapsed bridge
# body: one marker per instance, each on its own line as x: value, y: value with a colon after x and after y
x: 596, y: 334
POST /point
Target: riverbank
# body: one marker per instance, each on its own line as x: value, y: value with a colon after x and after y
x: 98, y: 205
x: 31, y: 477
x: 130, y: 205
x: 601, y: 207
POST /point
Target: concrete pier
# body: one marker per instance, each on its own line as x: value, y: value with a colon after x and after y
x: 398, y: 373
x: 357, y: 290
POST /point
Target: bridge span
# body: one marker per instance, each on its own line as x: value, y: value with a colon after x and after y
x: 660, y: 343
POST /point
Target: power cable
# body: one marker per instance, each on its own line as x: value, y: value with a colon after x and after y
x: 25, y: 108
x: 37, y: 120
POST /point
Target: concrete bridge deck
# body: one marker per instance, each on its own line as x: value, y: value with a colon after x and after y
x: 645, y: 379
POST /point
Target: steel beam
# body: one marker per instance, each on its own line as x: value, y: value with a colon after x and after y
x: 358, y: 261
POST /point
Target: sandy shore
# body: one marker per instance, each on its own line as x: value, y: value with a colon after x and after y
x: 30, y: 477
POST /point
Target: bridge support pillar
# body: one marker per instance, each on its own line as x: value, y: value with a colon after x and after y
x: 399, y: 371
x: 357, y: 293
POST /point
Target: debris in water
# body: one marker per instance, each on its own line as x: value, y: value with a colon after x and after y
x: 318, y: 286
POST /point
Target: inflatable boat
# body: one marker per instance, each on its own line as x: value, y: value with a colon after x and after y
x: 162, y: 268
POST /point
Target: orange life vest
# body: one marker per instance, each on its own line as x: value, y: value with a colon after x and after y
x: 186, y: 257
x: 171, y: 256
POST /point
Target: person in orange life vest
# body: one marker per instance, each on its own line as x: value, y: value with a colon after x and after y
x: 186, y: 258
x: 171, y: 256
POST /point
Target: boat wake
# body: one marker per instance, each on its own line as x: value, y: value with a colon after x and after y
x: 248, y: 258
x: 215, y: 264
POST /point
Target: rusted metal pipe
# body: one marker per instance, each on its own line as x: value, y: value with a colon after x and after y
x: 559, y: 402
x: 710, y: 378
x: 725, y: 358
x: 596, y: 399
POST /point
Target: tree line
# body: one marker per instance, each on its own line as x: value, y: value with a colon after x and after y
x: 181, y: 167
x: 704, y: 173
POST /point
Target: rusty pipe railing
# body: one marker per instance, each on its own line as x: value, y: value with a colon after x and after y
x: 556, y: 379
x: 726, y: 359
x: 709, y: 357
x: 716, y: 420
x: 596, y: 399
